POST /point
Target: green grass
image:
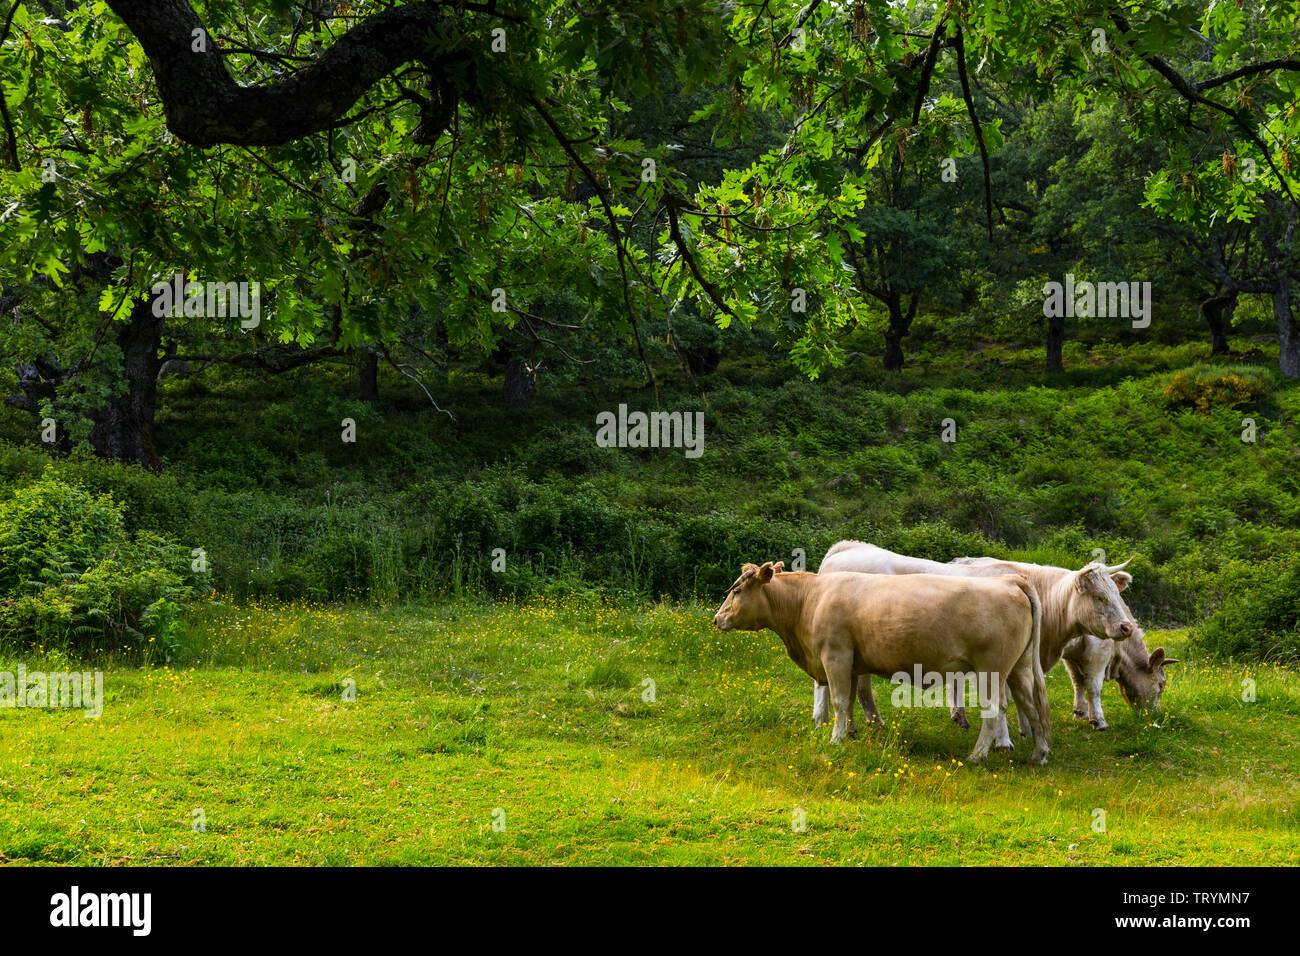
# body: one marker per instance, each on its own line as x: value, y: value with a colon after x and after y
x: 539, y: 710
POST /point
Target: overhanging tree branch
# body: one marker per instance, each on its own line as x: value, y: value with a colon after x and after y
x: 979, y: 133
x: 617, y: 234
x: 206, y: 106
x: 1268, y: 66
x: 1192, y: 93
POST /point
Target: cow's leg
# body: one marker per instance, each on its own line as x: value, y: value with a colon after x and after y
x: 956, y: 690
x: 1080, y: 682
x: 853, y: 693
x: 1026, y: 728
x: 993, y: 710
x: 868, y: 700
x: 821, y: 704
x: 839, y: 674
x: 1030, y: 693
x: 1096, y: 680
x: 1002, y: 738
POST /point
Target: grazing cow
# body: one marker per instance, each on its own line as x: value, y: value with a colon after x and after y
x: 840, y: 628
x: 1140, y: 675
x: 1090, y: 660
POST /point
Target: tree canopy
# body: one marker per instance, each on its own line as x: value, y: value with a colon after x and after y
x: 400, y: 178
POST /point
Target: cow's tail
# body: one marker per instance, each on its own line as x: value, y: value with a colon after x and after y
x: 1036, y: 658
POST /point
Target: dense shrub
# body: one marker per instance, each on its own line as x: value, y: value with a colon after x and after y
x: 69, y: 570
x: 341, y: 566
x: 938, y: 542
x: 1204, y: 387
x: 1260, y: 619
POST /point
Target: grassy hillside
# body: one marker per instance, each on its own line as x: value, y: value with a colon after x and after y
x: 1131, y: 453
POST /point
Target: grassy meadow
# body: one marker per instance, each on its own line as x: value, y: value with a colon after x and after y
x: 535, y: 715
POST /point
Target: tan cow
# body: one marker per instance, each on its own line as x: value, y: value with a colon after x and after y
x: 840, y: 628
x: 872, y: 559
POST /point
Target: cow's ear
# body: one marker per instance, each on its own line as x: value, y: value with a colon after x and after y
x: 778, y: 567
x: 1081, y: 580
x: 1122, y: 579
x: 765, y: 573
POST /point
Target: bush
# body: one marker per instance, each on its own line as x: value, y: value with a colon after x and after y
x: 342, y: 566
x: 1204, y: 387
x: 888, y: 468
x: 1260, y: 620
x: 70, y: 570
x: 938, y: 542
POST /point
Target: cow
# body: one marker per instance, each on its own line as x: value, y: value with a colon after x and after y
x: 842, y: 627
x: 1139, y: 674
x: 861, y: 556
x: 1089, y: 660
x: 1075, y: 603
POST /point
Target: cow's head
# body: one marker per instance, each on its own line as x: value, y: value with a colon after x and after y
x: 745, y: 607
x: 1095, y: 604
x: 1142, y: 682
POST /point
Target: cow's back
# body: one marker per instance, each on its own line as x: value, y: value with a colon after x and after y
x: 937, y: 621
x: 873, y: 559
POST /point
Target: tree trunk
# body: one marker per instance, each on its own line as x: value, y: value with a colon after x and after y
x: 1217, y: 311
x: 893, y: 351
x: 900, y: 323
x: 1288, y: 336
x: 369, y: 377
x: 519, y: 390
x: 123, y: 428
x: 1055, y: 343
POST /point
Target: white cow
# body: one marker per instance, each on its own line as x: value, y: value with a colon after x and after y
x: 1090, y: 660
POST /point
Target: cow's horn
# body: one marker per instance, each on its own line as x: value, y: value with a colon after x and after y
x: 1119, y: 567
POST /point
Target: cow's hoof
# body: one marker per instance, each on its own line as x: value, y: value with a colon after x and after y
x: 1081, y: 714
x: 976, y: 758
x: 961, y: 721
x: 1006, y: 746
x: 1100, y: 725
x: 818, y: 723
x: 1040, y: 760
